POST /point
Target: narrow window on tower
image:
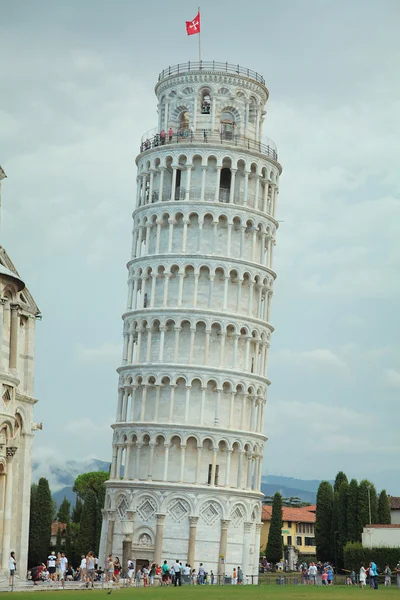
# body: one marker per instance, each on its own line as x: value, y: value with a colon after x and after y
x: 209, y: 474
x: 216, y: 475
x: 178, y: 184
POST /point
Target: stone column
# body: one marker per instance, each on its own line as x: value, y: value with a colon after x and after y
x: 182, y: 467
x: 198, y: 463
x: 259, y: 527
x: 187, y: 401
x: 166, y: 458
x: 223, y: 543
x: 228, y: 468
x: 180, y: 289
x: 160, y: 193
x: 246, y: 551
x: 192, y: 539
x: 217, y: 184
x: 232, y: 190
x: 128, y: 446
x: 203, y: 182
x: 159, y: 538
x: 151, y: 462
x: 195, y: 289
x: 202, y: 405
x: 14, y: 335
x: 214, y: 466
x: 173, y: 184
x: 184, y: 235
x: 191, y: 350
x: 171, y: 223
x: 8, y: 505
x: 158, y: 234
x: 188, y: 177
x: 110, y: 531
x: 246, y: 187
x: 162, y: 340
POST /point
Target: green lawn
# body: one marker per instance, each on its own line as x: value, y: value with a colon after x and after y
x: 264, y: 592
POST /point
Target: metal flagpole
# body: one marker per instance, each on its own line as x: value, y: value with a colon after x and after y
x: 199, y: 35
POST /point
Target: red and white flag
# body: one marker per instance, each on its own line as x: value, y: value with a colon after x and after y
x: 193, y: 27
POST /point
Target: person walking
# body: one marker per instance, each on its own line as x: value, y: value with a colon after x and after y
x: 201, y: 574
x: 131, y: 570
x: 90, y: 568
x: 165, y: 573
x: 82, y: 567
x: 373, y: 575
x: 62, y: 568
x: 363, y: 576
x: 388, y: 576
x: 177, y: 573
x: 51, y: 565
x: 109, y: 568
x: 397, y: 569
x: 12, y: 565
x: 239, y: 576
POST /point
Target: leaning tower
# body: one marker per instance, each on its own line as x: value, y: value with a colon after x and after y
x: 188, y: 438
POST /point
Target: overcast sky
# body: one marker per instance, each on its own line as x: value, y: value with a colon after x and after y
x: 76, y: 94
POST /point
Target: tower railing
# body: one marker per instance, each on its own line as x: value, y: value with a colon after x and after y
x: 205, y: 137
x: 210, y: 65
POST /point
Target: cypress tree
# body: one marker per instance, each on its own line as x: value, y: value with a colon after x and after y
x: 34, y: 530
x: 87, y: 530
x: 274, y: 550
x: 342, y: 520
x: 384, y: 514
x: 58, y: 540
x: 367, y: 500
x: 353, y: 531
x: 99, y: 516
x: 340, y: 477
x: 64, y: 512
x: 77, y: 511
x: 41, y: 513
x: 323, y: 522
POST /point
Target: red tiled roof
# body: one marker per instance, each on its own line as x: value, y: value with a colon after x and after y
x: 55, y: 526
x: 394, y: 502
x: 297, y: 515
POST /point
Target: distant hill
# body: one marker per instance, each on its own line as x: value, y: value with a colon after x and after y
x: 305, y: 489
x: 61, y: 478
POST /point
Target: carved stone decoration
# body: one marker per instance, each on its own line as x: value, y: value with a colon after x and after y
x: 211, y: 511
x: 178, y: 509
x: 237, y: 515
x: 147, y: 508
x: 11, y: 451
x: 144, y: 540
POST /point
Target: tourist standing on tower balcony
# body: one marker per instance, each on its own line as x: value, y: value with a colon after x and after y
x: 12, y: 565
x: 162, y: 137
x: 170, y: 134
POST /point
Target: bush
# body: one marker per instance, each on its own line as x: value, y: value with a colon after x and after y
x: 355, y: 554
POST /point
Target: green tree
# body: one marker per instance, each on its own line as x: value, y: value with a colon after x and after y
x: 64, y: 512
x: 59, y: 539
x: 323, y: 522
x: 384, y: 513
x: 367, y: 502
x: 342, y: 520
x: 41, y: 513
x: 340, y: 477
x: 353, y: 530
x: 93, y: 481
x: 274, y: 550
x: 77, y: 511
x: 87, y: 531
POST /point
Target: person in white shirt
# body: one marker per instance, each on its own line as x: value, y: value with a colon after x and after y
x: 12, y: 566
x: 177, y: 572
x: 51, y: 565
x: 83, y: 568
x: 131, y: 568
x: 312, y: 574
x: 63, y: 564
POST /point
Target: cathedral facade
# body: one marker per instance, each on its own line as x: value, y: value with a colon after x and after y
x: 18, y: 315
x: 188, y: 438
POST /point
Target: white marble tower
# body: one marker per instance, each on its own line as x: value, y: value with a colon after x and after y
x: 18, y: 314
x: 188, y: 438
